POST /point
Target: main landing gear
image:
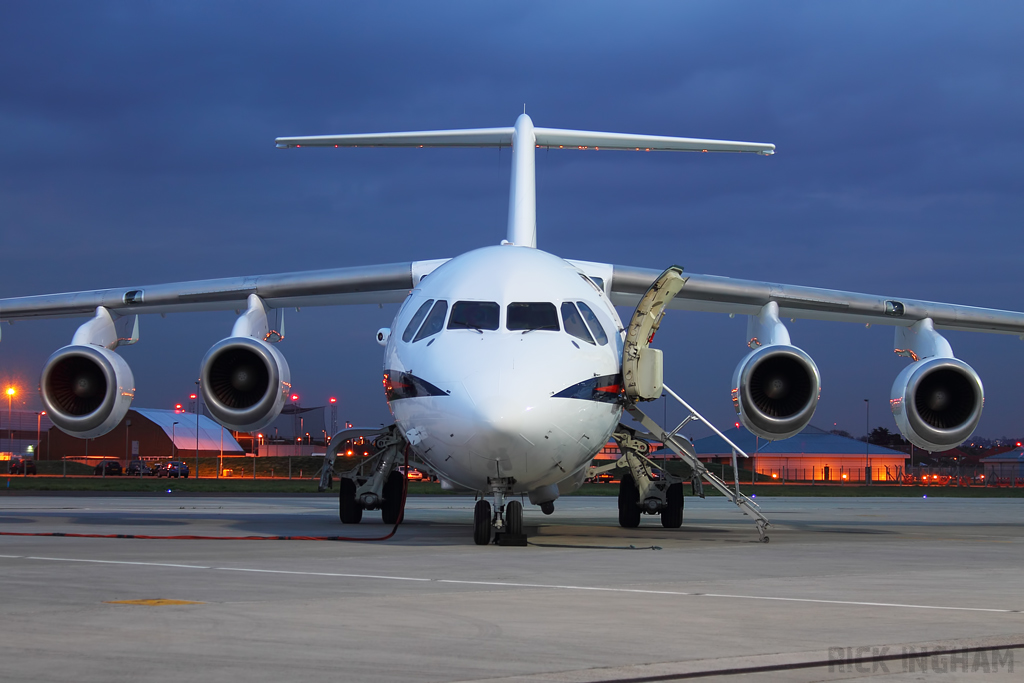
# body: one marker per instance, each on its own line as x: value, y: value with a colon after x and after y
x: 506, y: 520
x: 382, y: 490
x: 640, y: 490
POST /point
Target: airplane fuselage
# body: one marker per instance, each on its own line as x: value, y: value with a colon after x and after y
x: 504, y: 364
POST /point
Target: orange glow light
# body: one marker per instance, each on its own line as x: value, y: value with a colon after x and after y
x: 11, y: 391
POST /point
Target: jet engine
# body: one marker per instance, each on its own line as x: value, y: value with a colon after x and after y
x: 245, y: 382
x: 776, y: 391
x: 86, y: 389
x: 937, y: 402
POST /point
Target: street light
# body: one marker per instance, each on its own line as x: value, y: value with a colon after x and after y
x: 867, y: 442
x: 196, y: 397
x: 39, y: 421
x: 11, y: 391
x: 172, y: 439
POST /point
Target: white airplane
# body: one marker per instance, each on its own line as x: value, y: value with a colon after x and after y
x: 507, y: 368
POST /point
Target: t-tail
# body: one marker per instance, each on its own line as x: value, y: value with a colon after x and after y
x: 524, y: 139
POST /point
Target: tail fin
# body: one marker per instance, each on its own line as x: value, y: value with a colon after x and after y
x: 523, y: 138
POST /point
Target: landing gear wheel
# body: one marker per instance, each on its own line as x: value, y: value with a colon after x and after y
x: 629, y: 498
x: 482, y: 523
x: 514, y: 518
x: 349, y: 509
x: 391, y: 511
x: 672, y: 515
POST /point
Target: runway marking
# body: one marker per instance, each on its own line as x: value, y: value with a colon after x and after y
x: 145, y: 564
x: 346, y: 576
x: 159, y: 602
x: 726, y: 595
x: 548, y: 586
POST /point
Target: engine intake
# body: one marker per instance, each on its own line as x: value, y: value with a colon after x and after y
x: 245, y: 382
x: 86, y: 390
x: 776, y: 391
x: 937, y: 402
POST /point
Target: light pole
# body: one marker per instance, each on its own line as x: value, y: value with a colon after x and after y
x: 39, y: 422
x: 867, y: 442
x: 197, y: 428
x: 11, y: 391
x: 334, y: 415
x: 127, y: 424
x: 172, y: 439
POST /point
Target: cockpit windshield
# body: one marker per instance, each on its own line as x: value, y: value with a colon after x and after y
x: 474, y: 315
x: 529, y: 316
x: 594, y: 323
x: 414, y: 324
x: 434, y: 322
x: 574, y: 323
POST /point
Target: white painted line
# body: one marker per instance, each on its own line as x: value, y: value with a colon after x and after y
x: 346, y: 576
x: 546, y: 586
x: 726, y: 595
x: 145, y: 564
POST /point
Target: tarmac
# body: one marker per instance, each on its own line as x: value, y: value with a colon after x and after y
x: 889, y: 589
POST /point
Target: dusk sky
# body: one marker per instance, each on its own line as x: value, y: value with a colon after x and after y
x: 139, y: 149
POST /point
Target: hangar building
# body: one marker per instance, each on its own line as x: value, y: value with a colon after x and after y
x: 145, y: 434
x: 811, y: 455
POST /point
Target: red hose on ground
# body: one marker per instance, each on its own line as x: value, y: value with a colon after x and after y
x: 401, y: 517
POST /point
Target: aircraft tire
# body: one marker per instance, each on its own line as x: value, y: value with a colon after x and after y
x: 391, y: 511
x: 629, y: 497
x: 482, y: 523
x: 514, y: 518
x: 349, y: 509
x: 672, y: 515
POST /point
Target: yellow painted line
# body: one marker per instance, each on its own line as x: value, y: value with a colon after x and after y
x: 153, y: 603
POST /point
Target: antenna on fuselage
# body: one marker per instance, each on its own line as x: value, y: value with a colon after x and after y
x: 524, y: 139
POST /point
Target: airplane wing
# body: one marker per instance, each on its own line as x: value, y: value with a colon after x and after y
x: 716, y: 294
x: 371, y: 284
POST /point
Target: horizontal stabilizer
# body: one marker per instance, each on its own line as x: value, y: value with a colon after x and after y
x: 543, y: 137
x: 471, y: 137
x: 583, y: 139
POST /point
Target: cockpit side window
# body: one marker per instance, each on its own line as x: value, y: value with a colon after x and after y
x: 434, y: 322
x: 574, y: 323
x: 474, y: 315
x: 414, y: 324
x: 594, y: 323
x: 529, y: 316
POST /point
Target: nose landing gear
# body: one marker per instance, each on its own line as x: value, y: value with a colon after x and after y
x: 507, y: 518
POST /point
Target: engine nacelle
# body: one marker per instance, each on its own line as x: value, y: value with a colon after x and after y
x: 86, y: 390
x: 937, y: 402
x: 245, y: 382
x: 776, y: 391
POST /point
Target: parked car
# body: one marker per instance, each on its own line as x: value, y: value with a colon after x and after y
x: 138, y: 468
x: 174, y: 468
x: 110, y: 468
x: 19, y: 464
x: 412, y: 474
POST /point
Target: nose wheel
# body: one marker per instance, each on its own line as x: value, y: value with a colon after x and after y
x: 506, y: 520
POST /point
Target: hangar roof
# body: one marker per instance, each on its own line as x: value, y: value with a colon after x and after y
x: 810, y: 440
x: 1016, y: 455
x: 185, y: 431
